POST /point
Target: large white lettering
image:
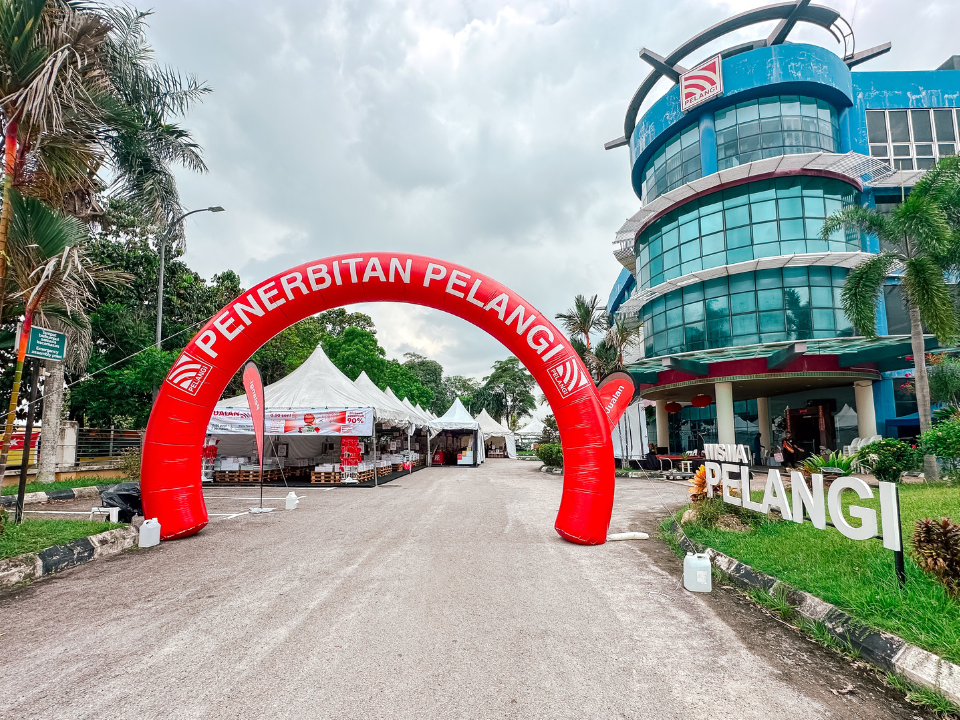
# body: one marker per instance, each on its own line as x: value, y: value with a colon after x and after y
x: 374, y: 269
x: 404, y: 274
x: 353, y: 267
x: 223, y: 324
x: 472, y: 293
x: 458, y: 279
x: 518, y: 315
x: 868, y: 516
x: 291, y: 281
x: 434, y: 272
x: 205, y: 342
x: 268, y: 291
x: 499, y: 303
x: 315, y: 272
x: 241, y: 309
x: 540, y: 344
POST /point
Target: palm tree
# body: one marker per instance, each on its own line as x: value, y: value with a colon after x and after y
x: 51, y: 278
x: 623, y: 338
x: 919, y: 245
x: 51, y: 78
x: 583, y: 318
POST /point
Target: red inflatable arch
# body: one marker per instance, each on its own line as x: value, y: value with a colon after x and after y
x: 170, y: 475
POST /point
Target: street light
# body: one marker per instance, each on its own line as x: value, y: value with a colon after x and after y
x: 163, y: 247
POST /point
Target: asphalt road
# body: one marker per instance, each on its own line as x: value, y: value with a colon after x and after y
x: 443, y: 595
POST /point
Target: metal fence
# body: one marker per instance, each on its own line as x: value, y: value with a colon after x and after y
x: 104, y: 444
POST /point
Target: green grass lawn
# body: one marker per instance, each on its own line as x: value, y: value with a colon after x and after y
x: 35, y: 535
x: 60, y: 485
x: 857, y: 576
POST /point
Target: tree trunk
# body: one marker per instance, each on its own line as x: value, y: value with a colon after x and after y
x: 52, y: 416
x: 930, y: 470
x: 10, y: 161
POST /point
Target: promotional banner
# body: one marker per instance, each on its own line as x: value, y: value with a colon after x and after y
x: 616, y: 392
x: 253, y: 387
x: 319, y: 421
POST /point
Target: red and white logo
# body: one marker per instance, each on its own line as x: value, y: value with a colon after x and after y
x: 569, y: 377
x: 702, y: 83
x: 188, y: 373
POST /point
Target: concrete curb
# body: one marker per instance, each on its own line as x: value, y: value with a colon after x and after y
x: 32, y: 566
x: 91, y: 491
x: 886, y: 651
x: 552, y: 470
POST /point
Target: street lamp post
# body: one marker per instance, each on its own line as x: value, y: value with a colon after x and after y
x: 163, y: 247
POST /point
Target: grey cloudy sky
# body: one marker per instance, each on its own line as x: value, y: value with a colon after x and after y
x: 470, y: 130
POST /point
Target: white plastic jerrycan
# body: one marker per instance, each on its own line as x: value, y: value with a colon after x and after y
x: 292, y: 501
x: 696, y: 573
x: 149, y: 533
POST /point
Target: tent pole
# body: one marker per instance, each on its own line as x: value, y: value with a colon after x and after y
x: 409, y: 458
x: 375, y: 470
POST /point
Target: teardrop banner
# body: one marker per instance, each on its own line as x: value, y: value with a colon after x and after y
x: 253, y: 387
x: 616, y: 392
x: 171, y: 482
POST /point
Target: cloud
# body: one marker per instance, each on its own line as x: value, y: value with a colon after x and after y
x: 471, y: 131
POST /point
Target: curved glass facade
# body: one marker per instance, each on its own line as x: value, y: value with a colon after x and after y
x: 790, y: 303
x: 771, y: 126
x: 755, y: 220
x: 677, y: 162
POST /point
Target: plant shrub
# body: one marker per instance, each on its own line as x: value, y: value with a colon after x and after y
x: 129, y: 463
x: 551, y: 454
x: 816, y: 463
x: 943, y: 440
x: 888, y: 459
x: 936, y: 548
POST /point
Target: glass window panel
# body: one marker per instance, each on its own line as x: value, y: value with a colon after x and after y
x: 811, y: 140
x: 901, y: 151
x: 843, y: 322
x: 689, y: 251
x: 711, y: 223
x: 924, y: 150
x: 824, y: 110
x: 808, y: 107
x: 670, y: 238
x: 920, y: 119
x: 727, y: 136
x: 903, y: 164
x: 674, y: 299
x: 693, y: 292
x: 788, y: 247
x: 879, y: 151
x: 690, y: 136
x: 837, y: 297
x: 816, y: 245
x: 791, y: 230
x: 838, y: 276
x: 749, y: 157
x: 792, y: 138
x: 771, y: 140
x: 737, y: 216
x: 945, y: 149
x: 693, y: 337
x: 821, y: 296
x: 770, y: 107
x: 823, y: 320
x: 924, y: 163
x: 943, y: 123
x: 790, y: 208
x: 876, y: 126
x: 789, y: 105
x: 749, y: 144
x: 750, y: 128
x: 764, y: 211
x: 762, y: 190
x: 810, y: 125
x: 766, y: 250
x: 819, y: 276
x: 765, y: 233
x: 744, y: 325
x: 671, y: 273
x: 659, y: 322
x: 675, y: 317
x: 813, y: 226
x: 740, y: 255
x: 717, y: 308
x: 675, y: 337
x: 741, y: 282
x: 747, y: 111
x: 693, y: 312
x: 691, y: 153
x: 671, y: 258
x: 770, y: 299
x: 712, y: 243
x: 769, y: 278
x: 812, y: 205
x: 743, y: 302
x: 738, y: 237
x: 772, y: 322
x: 673, y: 147
x: 899, y: 132
x: 724, y: 118
x: 714, y: 260
x: 771, y: 125
x: 689, y: 231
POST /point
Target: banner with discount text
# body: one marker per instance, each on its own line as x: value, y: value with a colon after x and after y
x: 321, y: 421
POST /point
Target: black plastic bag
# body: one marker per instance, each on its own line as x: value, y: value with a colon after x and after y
x: 125, y: 496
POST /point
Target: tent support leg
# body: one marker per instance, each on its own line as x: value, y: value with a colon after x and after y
x: 375, y: 470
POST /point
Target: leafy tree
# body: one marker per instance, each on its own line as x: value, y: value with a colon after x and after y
x: 508, y: 391
x: 945, y: 380
x: 357, y: 351
x: 430, y: 373
x: 623, y: 337
x: 551, y: 433
x: 583, y: 318
x: 406, y: 384
x: 467, y: 389
x: 922, y: 245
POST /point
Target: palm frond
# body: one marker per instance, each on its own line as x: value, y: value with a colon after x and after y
x: 925, y: 289
x: 863, y: 219
x: 922, y: 220
x: 861, y: 292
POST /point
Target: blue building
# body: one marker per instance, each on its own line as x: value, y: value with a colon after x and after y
x: 736, y: 168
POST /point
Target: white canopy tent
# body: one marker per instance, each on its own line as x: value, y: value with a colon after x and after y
x: 532, y: 430
x: 630, y: 434
x: 492, y: 430
x: 386, y: 410
x: 458, y: 419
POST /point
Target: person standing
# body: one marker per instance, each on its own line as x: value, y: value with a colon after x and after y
x: 791, y: 453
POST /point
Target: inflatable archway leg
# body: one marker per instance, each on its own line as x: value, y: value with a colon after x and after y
x: 170, y: 473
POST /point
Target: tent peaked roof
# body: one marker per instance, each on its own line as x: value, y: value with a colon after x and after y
x: 532, y: 428
x: 457, y: 418
x: 318, y: 383
x: 406, y: 407
x: 418, y: 413
x: 385, y: 408
x: 491, y: 427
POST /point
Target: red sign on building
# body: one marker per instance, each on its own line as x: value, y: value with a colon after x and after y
x: 703, y: 83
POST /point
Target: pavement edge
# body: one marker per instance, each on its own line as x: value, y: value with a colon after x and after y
x: 79, y: 493
x: 885, y: 650
x: 32, y: 566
